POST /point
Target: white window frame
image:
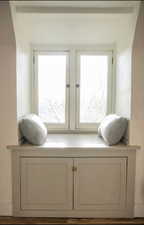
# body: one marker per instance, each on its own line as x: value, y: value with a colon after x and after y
x: 52, y: 126
x: 73, y: 75
x: 94, y: 126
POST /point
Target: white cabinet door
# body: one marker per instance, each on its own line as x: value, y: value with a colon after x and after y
x: 46, y: 183
x: 100, y: 183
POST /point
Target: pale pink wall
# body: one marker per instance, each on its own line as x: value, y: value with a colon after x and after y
x: 8, y: 124
x: 137, y: 108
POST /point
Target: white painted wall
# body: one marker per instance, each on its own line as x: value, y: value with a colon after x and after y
x: 123, y: 81
x: 23, y: 79
x: 8, y: 124
x: 137, y: 122
x: 23, y: 65
x: 123, y: 69
x: 73, y: 28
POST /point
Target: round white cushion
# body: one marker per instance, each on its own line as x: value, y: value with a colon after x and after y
x: 112, y: 128
x: 33, y: 129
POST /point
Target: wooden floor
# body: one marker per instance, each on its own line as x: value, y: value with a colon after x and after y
x: 16, y: 220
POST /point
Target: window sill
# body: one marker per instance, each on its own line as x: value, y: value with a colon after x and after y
x: 74, y: 141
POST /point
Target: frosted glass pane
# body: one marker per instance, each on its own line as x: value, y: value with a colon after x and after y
x: 52, y: 82
x: 93, y: 88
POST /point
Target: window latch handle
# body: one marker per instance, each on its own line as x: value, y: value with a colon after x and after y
x: 74, y: 168
x: 68, y: 85
x: 77, y: 85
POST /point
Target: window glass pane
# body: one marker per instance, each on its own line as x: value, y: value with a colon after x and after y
x: 93, y: 88
x: 51, y: 88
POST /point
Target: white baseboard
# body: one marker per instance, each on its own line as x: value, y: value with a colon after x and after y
x: 5, y: 208
x: 139, y: 210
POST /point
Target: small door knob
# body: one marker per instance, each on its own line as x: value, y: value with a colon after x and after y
x: 77, y: 85
x: 74, y: 168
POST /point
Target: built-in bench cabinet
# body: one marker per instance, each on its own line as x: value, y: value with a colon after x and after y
x: 66, y: 184
x: 73, y: 181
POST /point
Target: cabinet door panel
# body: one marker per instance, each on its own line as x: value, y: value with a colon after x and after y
x: 100, y: 183
x: 46, y: 183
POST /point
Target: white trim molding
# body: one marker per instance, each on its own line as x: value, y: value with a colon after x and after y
x: 139, y: 210
x: 75, y: 6
x: 5, y: 208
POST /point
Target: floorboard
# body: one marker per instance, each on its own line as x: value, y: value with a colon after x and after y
x: 33, y: 220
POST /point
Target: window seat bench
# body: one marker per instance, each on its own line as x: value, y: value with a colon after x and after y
x: 78, y: 141
x: 73, y: 175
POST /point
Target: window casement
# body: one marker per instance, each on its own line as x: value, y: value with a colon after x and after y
x: 72, y: 89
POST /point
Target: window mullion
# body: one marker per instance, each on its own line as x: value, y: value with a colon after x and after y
x: 35, y: 100
x: 67, y: 102
x: 77, y: 91
x: 72, y: 117
x: 109, y: 86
